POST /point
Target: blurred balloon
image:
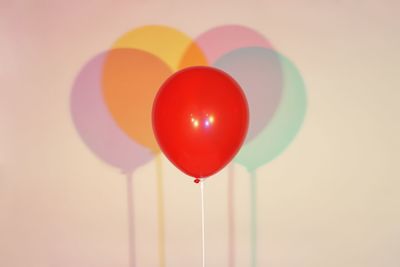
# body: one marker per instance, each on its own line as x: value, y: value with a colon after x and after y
x: 200, y: 119
x: 284, y: 125
x: 166, y: 43
x: 223, y: 39
x: 131, y: 79
x: 258, y: 71
x: 96, y: 126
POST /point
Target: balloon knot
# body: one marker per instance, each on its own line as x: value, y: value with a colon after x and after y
x: 197, y: 180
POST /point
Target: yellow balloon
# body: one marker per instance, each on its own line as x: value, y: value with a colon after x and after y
x: 136, y: 66
x: 168, y: 44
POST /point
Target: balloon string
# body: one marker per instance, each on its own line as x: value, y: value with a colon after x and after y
x: 131, y: 221
x: 253, y: 193
x: 203, y: 223
x: 161, y: 216
x: 231, y: 216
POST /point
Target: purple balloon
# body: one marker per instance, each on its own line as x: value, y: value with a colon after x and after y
x: 95, y: 124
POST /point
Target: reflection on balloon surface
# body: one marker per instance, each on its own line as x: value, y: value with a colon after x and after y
x: 202, y: 133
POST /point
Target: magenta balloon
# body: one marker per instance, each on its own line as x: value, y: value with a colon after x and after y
x: 220, y: 40
x: 95, y: 124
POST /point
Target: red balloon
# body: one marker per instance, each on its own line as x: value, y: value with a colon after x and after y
x: 200, y: 120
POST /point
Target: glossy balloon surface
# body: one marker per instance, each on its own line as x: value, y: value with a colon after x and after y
x: 200, y: 120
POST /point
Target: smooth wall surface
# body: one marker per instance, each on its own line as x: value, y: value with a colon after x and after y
x: 331, y: 199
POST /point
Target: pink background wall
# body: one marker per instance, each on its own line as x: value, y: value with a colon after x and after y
x: 330, y: 200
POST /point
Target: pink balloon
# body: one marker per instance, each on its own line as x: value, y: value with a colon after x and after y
x: 258, y: 71
x: 248, y: 56
x: 220, y: 40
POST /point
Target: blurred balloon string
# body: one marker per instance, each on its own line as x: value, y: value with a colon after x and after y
x: 131, y: 220
x: 231, y: 216
x: 253, y: 194
x: 161, y: 211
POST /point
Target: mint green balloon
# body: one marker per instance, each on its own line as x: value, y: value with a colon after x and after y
x: 284, y: 125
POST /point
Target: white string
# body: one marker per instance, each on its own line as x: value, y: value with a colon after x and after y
x: 202, y: 222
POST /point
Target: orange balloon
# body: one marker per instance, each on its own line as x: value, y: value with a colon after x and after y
x: 131, y: 79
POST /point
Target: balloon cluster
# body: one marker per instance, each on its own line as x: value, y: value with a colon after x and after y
x: 112, y: 97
